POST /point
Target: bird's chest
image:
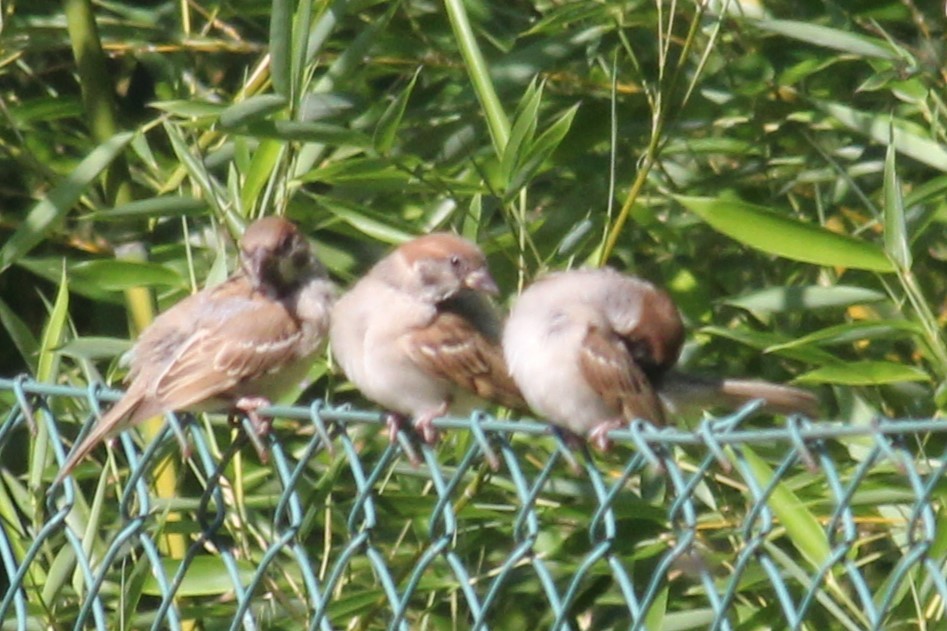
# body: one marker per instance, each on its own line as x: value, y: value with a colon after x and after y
x: 552, y: 380
x: 390, y: 375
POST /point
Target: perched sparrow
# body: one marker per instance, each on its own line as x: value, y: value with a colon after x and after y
x: 232, y: 346
x: 418, y: 336
x: 593, y: 349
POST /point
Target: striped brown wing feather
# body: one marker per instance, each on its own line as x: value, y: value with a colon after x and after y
x: 244, y: 339
x: 612, y: 372
x: 452, y: 348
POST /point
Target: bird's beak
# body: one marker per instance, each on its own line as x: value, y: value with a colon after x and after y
x: 480, y: 280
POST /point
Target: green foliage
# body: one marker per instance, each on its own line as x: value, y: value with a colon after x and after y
x: 784, y: 178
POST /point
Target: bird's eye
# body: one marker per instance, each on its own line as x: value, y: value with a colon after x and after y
x: 455, y: 261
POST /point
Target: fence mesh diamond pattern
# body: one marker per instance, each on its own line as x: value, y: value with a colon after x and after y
x: 732, y: 524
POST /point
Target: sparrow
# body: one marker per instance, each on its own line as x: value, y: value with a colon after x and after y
x: 419, y: 336
x: 234, y: 346
x: 592, y: 349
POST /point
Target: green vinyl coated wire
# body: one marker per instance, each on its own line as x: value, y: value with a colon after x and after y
x: 677, y: 528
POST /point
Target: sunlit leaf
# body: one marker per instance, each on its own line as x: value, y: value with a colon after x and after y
x: 774, y: 233
x: 206, y: 575
x: 851, y: 332
x: 763, y: 340
x: 896, y: 239
x: 110, y: 275
x: 786, y: 299
x: 387, y: 128
x: 265, y: 160
x: 540, y: 150
x: 95, y: 347
x: 54, y: 332
x: 802, y: 528
x: 196, y: 169
x: 522, y: 130
x: 118, y: 275
x: 864, y: 373
x: 369, y: 225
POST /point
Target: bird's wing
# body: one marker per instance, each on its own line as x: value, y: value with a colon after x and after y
x: 237, y: 336
x: 612, y: 372
x: 451, y: 347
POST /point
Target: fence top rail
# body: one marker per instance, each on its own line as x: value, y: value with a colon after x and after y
x: 722, y: 430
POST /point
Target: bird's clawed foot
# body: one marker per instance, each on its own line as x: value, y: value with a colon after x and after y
x: 394, y: 423
x: 599, y: 434
x: 261, y: 424
x: 425, y: 424
x: 178, y: 429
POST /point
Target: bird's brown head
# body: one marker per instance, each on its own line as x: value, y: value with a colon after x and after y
x: 660, y: 332
x: 440, y: 265
x: 645, y: 317
x: 276, y: 256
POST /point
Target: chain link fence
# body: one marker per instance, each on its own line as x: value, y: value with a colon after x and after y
x: 735, y: 524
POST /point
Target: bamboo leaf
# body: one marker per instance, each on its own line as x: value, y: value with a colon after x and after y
x: 195, y: 168
x: 788, y: 299
x: 851, y: 332
x: 827, y: 37
x: 252, y: 109
x: 265, y: 160
x: 47, y: 371
x: 190, y: 108
x: 162, y: 206
x: 365, y: 222
x: 95, y: 347
x: 864, y: 373
x: 524, y: 126
x: 541, y: 150
x: 119, y: 275
x: 50, y: 210
x: 390, y: 121
x: 765, y: 230
x: 497, y: 121
x: 882, y: 129
x: 23, y: 339
x: 801, y: 526
x: 53, y: 332
x: 762, y: 340
x: 206, y: 576
x: 896, y: 239
x: 108, y: 275
x: 281, y: 41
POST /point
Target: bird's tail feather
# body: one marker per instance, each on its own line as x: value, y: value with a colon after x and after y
x: 102, y: 428
x: 681, y: 391
x: 778, y: 398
